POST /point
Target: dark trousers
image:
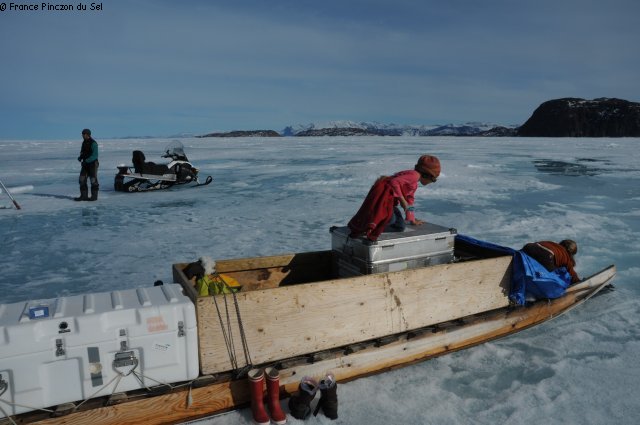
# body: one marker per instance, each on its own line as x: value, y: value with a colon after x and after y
x: 397, y: 223
x: 90, y: 171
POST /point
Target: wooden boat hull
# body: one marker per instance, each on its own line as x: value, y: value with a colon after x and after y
x: 347, y: 362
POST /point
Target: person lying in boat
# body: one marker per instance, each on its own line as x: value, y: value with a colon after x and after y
x: 552, y: 255
x: 380, y: 210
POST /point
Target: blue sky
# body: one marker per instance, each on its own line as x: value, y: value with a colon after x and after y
x: 166, y: 67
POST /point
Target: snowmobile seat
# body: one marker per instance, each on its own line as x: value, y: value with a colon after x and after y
x: 157, y: 169
x: 143, y: 167
x: 138, y: 161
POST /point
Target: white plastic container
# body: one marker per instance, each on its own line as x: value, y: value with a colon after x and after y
x: 68, y: 349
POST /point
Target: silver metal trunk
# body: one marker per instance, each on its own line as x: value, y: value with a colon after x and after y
x: 417, y: 246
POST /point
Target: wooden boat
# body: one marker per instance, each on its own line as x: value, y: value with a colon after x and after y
x: 292, y: 313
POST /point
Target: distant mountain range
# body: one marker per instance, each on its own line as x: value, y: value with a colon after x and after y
x: 567, y: 117
x: 338, y: 128
x: 352, y: 128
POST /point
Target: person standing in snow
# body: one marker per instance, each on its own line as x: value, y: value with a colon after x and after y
x: 382, y: 208
x: 89, y: 159
x: 552, y: 255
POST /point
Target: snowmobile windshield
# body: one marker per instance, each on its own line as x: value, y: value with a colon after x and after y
x: 175, y: 150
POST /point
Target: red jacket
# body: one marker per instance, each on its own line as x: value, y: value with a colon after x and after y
x: 562, y: 258
x: 405, y: 184
x: 375, y: 212
x: 377, y: 208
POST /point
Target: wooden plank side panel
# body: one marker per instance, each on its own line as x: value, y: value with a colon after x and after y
x: 242, y: 264
x: 181, y: 278
x: 295, y: 320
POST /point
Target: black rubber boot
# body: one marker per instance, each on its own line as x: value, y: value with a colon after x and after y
x: 300, y: 402
x: 94, y: 194
x: 328, y: 397
x: 83, y: 195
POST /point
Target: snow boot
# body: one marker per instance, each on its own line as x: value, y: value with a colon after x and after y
x: 273, y: 396
x: 94, y: 194
x: 328, y: 397
x: 83, y: 195
x: 300, y: 403
x: 256, y: 385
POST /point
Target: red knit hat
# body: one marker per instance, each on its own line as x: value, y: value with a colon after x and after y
x: 428, y: 164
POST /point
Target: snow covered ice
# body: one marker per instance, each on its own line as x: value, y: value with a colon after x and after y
x: 279, y: 195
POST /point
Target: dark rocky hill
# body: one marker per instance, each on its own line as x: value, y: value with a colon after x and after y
x: 240, y: 133
x: 573, y: 117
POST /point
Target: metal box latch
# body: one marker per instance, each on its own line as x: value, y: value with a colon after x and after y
x: 125, y: 360
x: 59, y: 350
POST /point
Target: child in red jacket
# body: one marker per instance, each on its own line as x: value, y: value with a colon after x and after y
x: 380, y: 209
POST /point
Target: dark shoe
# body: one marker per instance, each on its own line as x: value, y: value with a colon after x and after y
x: 83, y: 195
x: 94, y: 194
x: 300, y: 402
x: 328, y: 397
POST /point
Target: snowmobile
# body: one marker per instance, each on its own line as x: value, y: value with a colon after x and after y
x: 145, y: 176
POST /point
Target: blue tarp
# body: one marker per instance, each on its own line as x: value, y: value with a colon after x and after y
x: 529, y: 278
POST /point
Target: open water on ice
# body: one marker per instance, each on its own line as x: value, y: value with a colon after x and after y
x: 279, y: 195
